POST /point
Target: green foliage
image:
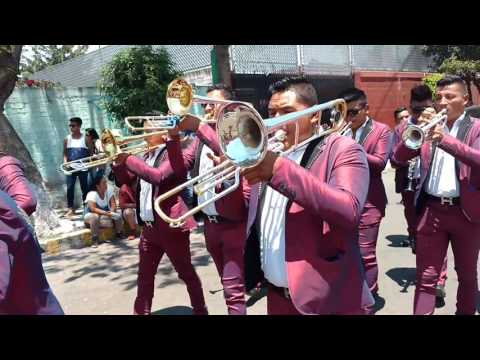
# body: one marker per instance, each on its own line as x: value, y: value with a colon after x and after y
x: 47, y: 55
x: 440, y: 53
x: 431, y: 81
x: 135, y: 81
x: 467, y: 69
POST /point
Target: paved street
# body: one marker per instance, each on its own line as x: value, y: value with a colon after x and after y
x: 103, y: 280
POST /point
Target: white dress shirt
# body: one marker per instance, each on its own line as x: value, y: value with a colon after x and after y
x: 443, y: 181
x: 146, y: 209
x: 206, y: 164
x: 359, y: 132
x: 272, y: 231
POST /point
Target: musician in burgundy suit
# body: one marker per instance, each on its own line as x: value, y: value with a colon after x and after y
x: 15, y: 184
x: 376, y: 139
x: 225, y: 219
x: 159, y: 171
x: 24, y: 289
x: 447, y: 199
x: 304, y: 214
x: 421, y: 98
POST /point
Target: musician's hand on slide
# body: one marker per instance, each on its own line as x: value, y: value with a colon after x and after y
x: 189, y: 123
x: 174, y: 133
x: 120, y: 158
x: 263, y: 171
x: 217, y: 160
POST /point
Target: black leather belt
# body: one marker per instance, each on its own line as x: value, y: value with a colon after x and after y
x: 444, y: 200
x: 284, y: 292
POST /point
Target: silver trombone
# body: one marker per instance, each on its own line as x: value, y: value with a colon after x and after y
x: 414, y: 135
x: 158, y: 122
x: 244, y: 141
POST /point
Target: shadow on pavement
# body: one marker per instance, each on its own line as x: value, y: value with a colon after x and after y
x: 174, y: 310
x: 404, y: 277
x: 396, y: 240
x: 117, y: 262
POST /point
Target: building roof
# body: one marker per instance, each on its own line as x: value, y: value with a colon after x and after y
x: 85, y: 70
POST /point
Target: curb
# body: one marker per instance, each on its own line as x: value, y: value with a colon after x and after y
x: 77, y: 240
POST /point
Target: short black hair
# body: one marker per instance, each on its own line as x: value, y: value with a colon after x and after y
x: 398, y: 111
x: 96, y: 181
x: 452, y: 79
x: 92, y: 132
x: 226, y: 90
x: 420, y: 93
x: 303, y: 88
x: 353, y: 94
x: 76, y: 120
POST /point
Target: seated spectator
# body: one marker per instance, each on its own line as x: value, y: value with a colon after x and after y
x: 101, y: 209
x: 128, y: 205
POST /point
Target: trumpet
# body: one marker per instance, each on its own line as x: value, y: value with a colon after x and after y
x: 112, y: 146
x: 243, y: 138
x: 412, y: 165
x: 414, y: 135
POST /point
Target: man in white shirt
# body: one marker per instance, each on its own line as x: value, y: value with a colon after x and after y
x: 159, y: 171
x: 447, y: 199
x: 303, y: 215
x: 225, y: 219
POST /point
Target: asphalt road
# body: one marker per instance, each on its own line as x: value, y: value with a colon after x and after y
x: 103, y: 280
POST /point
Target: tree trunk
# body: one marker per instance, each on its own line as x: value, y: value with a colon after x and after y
x: 45, y: 218
x: 223, y: 61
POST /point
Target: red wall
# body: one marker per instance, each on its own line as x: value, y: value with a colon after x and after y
x: 387, y: 90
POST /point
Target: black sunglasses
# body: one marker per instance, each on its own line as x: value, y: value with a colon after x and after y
x: 354, y: 112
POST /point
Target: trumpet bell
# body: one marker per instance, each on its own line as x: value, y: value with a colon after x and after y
x: 179, y: 97
x: 414, y: 137
x: 242, y: 141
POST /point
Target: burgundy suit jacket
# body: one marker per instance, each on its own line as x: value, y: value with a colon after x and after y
x: 324, y: 266
x: 401, y: 170
x: 24, y: 288
x: 15, y: 184
x: 234, y: 206
x: 467, y: 156
x: 377, y: 141
x: 170, y: 173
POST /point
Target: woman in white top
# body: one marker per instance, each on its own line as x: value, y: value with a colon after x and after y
x: 95, y: 147
x: 101, y: 209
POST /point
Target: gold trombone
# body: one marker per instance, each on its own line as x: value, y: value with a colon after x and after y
x: 244, y: 140
x: 112, y: 146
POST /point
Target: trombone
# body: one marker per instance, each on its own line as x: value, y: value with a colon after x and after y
x: 112, y: 146
x: 181, y: 97
x: 243, y: 137
x: 414, y: 135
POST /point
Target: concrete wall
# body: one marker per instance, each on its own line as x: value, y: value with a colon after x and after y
x: 40, y: 117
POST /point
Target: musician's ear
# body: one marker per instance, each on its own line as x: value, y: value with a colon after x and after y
x: 316, y: 118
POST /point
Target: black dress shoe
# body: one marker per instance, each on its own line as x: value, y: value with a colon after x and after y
x: 405, y: 243
x: 441, y: 291
x: 413, y: 244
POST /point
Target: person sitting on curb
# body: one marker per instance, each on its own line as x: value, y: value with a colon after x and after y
x: 101, y: 209
x: 128, y: 206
